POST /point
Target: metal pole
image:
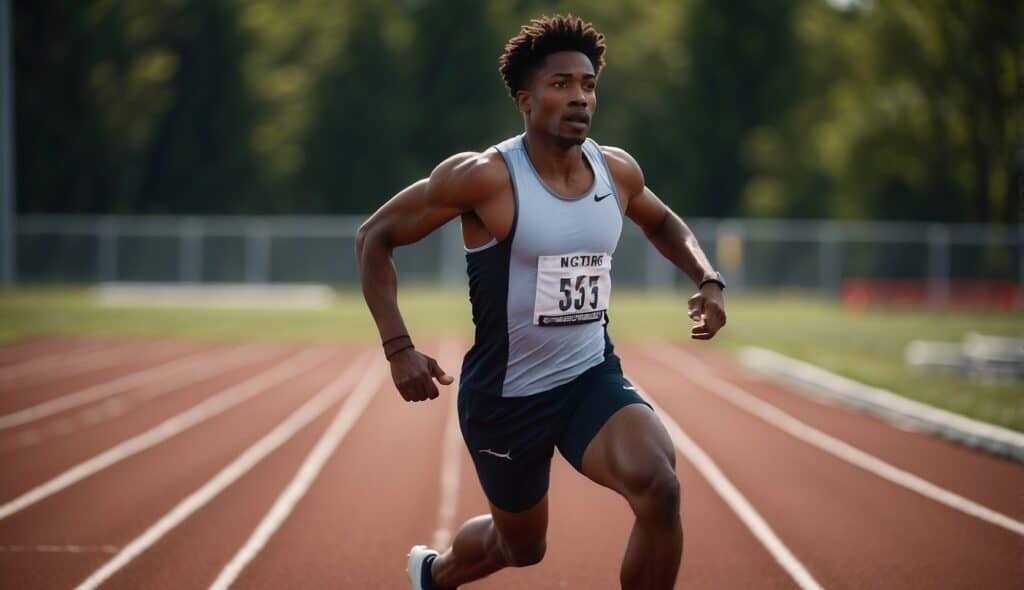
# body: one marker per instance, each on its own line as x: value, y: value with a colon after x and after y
x: 451, y: 256
x: 106, y: 258
x: 190, y: 250
x: 257, y: 252
x: 830, y: 274
x: 7, y: 271
x: 938, y: 264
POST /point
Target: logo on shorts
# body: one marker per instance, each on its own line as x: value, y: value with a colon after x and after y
x: 505, y: 455
x: 630, y: 387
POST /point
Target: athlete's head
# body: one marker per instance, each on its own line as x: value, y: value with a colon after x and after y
x: 550, y: 68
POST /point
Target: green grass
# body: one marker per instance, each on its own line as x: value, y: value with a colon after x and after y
x: 867, y: 346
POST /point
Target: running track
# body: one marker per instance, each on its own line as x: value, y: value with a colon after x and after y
x: 143, y: 464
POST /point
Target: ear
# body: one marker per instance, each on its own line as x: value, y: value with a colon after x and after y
x: 524, y: 101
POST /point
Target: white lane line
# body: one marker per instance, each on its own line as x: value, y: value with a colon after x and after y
x: 903, y: 412
x: 309, y: 411
x: 114, y: 407
x: 58, y: 549
x: 346, y: 417
x: 201, y: 412
x: 450, y: 458
x: 61, y: 359
x: 733, y: 498
x: 99, y: 391
x: 684, y: 364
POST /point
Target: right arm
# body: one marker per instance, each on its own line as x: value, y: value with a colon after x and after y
x: 408, y: 217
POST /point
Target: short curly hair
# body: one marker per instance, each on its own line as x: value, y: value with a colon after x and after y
x: 542, y: 36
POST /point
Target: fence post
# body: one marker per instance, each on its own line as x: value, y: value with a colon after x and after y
x: 730, y: 243
x: 1020, y: 257
x: 257, y: 252
x: 190, y: 251
x: 450, y: 252
x: 938, y: 264
x: 106, y: 254
x: 830, y: 274
x: 658, y: 272
x: 8, y: 207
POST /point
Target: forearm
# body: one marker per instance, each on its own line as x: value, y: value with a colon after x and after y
x: 677, y: 243
x: 379, y: 282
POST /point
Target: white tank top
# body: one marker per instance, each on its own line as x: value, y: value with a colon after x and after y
x: 540, y: 297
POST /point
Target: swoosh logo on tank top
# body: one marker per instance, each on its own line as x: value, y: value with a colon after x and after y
x: 601, y: 198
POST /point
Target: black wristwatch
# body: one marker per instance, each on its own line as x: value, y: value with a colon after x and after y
x: 715, y: 279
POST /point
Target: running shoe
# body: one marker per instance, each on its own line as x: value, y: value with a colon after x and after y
x: 417, y: 558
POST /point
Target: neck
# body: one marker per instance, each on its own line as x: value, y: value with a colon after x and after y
x: 554, y: 159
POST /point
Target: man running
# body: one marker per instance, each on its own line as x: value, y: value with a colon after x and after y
x: 541, y: 216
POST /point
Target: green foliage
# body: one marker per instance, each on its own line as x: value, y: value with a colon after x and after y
x: 129, y: 108
x: 913, y: 116
x: 902, y: 109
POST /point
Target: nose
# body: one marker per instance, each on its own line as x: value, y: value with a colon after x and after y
x: 578, y: 98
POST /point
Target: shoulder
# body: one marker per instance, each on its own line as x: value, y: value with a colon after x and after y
x: 625, y: 171
x: 470, y: 176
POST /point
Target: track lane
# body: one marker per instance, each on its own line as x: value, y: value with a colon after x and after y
x: 16, y: 398
x: 356, y: 384
x: 377, y: 494
x: 352, y: 529
x: 116, y: 504
x: 850, y: 528
x: 87, y: 356
x: 107, y: 408
x: 12, y: 353
x: 28, y: 467
x: 992, y: 481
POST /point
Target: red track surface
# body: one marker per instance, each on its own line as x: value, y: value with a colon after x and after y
x: 380, y: 491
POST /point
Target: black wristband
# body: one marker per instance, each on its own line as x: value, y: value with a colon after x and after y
x: 715, y: 279
x: 385, y: 343
x: 389, y: 356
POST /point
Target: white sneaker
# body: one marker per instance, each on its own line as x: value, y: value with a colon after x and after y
x: 417, y: 555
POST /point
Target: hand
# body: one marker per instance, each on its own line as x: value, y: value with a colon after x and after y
x: 707, y: 309
x: 414, y: 374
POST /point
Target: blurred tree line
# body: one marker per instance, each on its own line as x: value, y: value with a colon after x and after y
x: 895, y: 109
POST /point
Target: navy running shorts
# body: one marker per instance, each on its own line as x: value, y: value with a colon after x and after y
x: 512, y: 439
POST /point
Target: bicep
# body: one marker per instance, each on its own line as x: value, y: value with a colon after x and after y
x: 414, y: 213
x: 648, y: 211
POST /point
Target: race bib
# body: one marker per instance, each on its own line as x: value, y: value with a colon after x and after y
x: 572, y: 289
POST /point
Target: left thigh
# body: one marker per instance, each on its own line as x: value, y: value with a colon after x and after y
x: 614, y: 437
x: 631, y: 452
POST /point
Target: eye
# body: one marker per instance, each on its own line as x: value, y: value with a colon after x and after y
x: 560, y: 83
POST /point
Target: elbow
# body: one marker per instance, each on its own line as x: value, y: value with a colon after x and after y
x: 362, y: 234
x: 368, y: 239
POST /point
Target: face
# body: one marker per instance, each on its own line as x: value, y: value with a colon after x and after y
x: 560, y: 98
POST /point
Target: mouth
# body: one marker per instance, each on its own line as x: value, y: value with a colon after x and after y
x: 578, y: 117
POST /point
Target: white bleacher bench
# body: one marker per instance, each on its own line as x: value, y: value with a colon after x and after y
x: 994, y: 355
x: 978, y: 355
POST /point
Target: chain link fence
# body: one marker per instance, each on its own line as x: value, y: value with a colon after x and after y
x: 752, y: 253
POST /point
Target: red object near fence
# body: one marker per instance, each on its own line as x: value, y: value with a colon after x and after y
x: 861, y: 294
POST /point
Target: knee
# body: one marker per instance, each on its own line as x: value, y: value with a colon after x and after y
x: 658, y: 499
x: 523, y: 555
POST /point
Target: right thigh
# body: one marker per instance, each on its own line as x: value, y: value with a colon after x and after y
x: 511, y: 445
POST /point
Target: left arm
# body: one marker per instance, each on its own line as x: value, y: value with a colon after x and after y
x: 671, y: 236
